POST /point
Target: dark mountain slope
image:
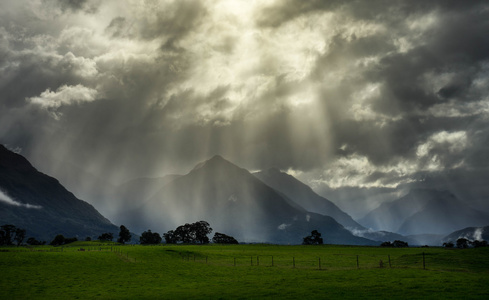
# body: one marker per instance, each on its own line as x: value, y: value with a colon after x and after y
x: 304, y: 196
x: 41, y: 205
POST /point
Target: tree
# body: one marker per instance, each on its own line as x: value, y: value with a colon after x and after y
x: 150, y: 238
x: 10, y: 234
x: 108, y: 236
x: 70, y: 240
x: 124, y: 235
x: 6, y: 234
x: 462, y: 243
x: 313, y: 239
x: 221, y: 238
x: 58, y: 240
x: 170, y: 237
x: 19, y: 236
x: 400, y: 244
x: 477, y: 243
x: 183, y: 234
x: 200, y: 231
x: 395, y: 244
x: 448, y: 245
x: 33, y: 242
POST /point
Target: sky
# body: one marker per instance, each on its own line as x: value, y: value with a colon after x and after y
x: 362, y: 100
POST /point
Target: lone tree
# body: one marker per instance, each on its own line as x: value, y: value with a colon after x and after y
x: 150, y: 238
x: 313, y: 239
x: 221, y: 238
x: 104, y: 237
x: 58, y: 240
x: 61, y: 240
x: 124, y: 235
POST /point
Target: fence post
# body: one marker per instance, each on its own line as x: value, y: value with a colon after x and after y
x: 252, y: 260
x: 319, y: 263
x: 424, y: 265
x: 206, y: 259
x: 358, y: 266
x: 293, y: 262
x: 389, y: 261
x: 257, y: 260
x: 272, y: 260
x: 235, y: 261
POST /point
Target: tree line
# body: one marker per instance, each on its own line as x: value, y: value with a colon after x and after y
x: 189, y: 233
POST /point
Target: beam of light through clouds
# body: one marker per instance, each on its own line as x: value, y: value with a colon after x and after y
x: 357, y: 97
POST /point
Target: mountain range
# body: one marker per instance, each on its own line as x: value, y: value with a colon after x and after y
x: 38, y: 203
x: 423, y: 211
x: 237, y: 203
x: 267, y: 206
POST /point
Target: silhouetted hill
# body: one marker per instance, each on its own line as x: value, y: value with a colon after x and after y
x: 305, y: 197
x: 41, y: 205
x: 470, y: 233
x: 424, y: 211
x: 235, y: 202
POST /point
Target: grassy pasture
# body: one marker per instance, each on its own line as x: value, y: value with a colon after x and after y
x: 110, y: 271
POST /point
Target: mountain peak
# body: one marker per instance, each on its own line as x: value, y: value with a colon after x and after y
x: 273, y: 170
x: 217, y: 157
x: 215, y: 162
x: 13, y: 160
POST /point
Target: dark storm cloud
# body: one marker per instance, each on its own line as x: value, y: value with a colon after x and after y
x: 349, y: 95
x: 402, y: 74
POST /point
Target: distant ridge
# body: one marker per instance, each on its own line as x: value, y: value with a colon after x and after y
x: 304, y: 196
x: 424, y: 211
x: 470, y: 233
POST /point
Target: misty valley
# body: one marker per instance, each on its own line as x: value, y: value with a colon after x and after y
x: 268, y: 206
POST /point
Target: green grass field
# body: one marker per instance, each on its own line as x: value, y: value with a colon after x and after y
x: 111, y: 271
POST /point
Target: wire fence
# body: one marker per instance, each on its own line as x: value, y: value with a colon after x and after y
x: 329, y: 261
x: 326, y: 262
